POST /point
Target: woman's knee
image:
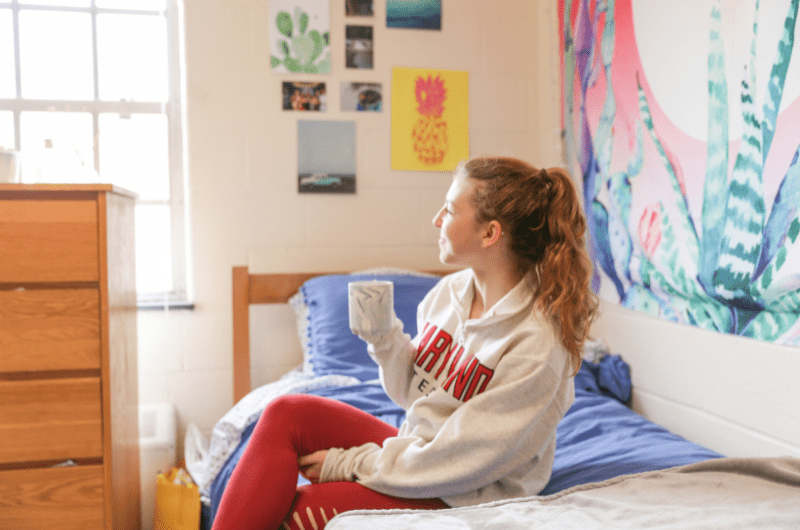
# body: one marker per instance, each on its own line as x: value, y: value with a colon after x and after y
x: 290, y: 407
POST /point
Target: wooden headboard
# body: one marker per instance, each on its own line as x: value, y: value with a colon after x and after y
x: 266, y: 288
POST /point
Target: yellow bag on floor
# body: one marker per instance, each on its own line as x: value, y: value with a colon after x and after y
x: 177, y: 501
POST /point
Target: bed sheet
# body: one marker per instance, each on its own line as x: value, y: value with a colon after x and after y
x: 741, y: 493
x: 598, y: 439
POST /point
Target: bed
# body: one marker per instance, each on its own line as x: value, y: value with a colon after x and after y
x: 612, y: 466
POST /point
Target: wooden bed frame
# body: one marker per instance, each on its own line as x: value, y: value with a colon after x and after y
x: 265, y: 288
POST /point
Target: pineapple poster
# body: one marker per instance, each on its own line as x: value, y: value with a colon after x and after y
x: 430, y: 119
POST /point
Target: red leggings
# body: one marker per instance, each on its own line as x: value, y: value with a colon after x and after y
x: 262, y: 492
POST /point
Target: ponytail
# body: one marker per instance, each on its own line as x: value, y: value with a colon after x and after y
x: 539, y: 209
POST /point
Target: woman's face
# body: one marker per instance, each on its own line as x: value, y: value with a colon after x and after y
x: 459, y: 232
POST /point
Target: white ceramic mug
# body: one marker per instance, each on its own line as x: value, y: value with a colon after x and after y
x: 371, y: 307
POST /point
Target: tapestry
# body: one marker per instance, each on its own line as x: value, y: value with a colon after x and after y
x: 680, y: 121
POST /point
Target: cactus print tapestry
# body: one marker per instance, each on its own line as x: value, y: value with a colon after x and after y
x: 681, y: 121
x: 430, y: 119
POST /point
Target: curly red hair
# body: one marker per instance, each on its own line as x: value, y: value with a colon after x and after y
x: 540, y: 211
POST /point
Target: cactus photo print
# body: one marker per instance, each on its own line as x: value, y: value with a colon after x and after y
x: 680, y: 120
x: 430, y: 119
x: 300, y: 36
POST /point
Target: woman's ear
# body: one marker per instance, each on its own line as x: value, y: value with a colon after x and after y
x: 492, y: 234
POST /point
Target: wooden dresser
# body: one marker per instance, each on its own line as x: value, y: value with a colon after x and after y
x: 68, y: 368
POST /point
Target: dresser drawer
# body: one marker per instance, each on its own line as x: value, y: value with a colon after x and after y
x: 62, y: 498
x: 50, y: 419
x: 48, y: 241
x: 49, y: 329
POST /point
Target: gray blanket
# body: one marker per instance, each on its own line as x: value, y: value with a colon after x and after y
x: 740, y: 493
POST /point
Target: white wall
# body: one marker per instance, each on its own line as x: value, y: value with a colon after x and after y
x: 735, y: 395
x: 731, y: 394
x: 243, y: 156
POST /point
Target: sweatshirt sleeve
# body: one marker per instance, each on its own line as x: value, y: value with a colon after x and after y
x: 504, y: 430
x: 394, y: 353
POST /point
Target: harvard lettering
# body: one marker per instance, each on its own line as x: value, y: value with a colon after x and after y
x: 466, y: 375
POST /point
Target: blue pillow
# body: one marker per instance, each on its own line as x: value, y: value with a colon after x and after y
x: 332, y: 347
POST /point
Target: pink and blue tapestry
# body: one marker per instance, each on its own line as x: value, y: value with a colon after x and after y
x: 681, y: 119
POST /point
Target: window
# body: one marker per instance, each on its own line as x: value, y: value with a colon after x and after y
x: 90, y: 91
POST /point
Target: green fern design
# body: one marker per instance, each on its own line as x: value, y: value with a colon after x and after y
x: 604, y: 136
x: 685, y: 223
x: 760, y: 289
x: 777, y: 77
x: 716, y: 178
x: 569, y: 93
x: 745, y: 211
x: 772, y: 323
x: 696, y: 309
x: 672, y: 273
x: 619, y: 189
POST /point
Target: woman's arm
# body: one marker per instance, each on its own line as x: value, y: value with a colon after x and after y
x: 505, y: 430
x: 394, y: 353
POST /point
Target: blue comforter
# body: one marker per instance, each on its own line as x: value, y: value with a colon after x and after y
x: 599, y: 437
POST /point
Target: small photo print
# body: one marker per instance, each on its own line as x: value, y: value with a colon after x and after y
x: 358, y: 47
x: 300, y: 36
x: 326, y: 156
x: 414, y: 14
x: 362, y: 97
x: 358, y: 8
x: 304, y: 96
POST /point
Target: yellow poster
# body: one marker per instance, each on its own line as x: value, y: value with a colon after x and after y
x: 430, y: 119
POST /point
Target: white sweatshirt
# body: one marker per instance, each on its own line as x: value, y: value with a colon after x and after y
x: 483, y: 399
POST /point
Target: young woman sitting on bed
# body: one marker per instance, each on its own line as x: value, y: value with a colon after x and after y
x: 485, y: 382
